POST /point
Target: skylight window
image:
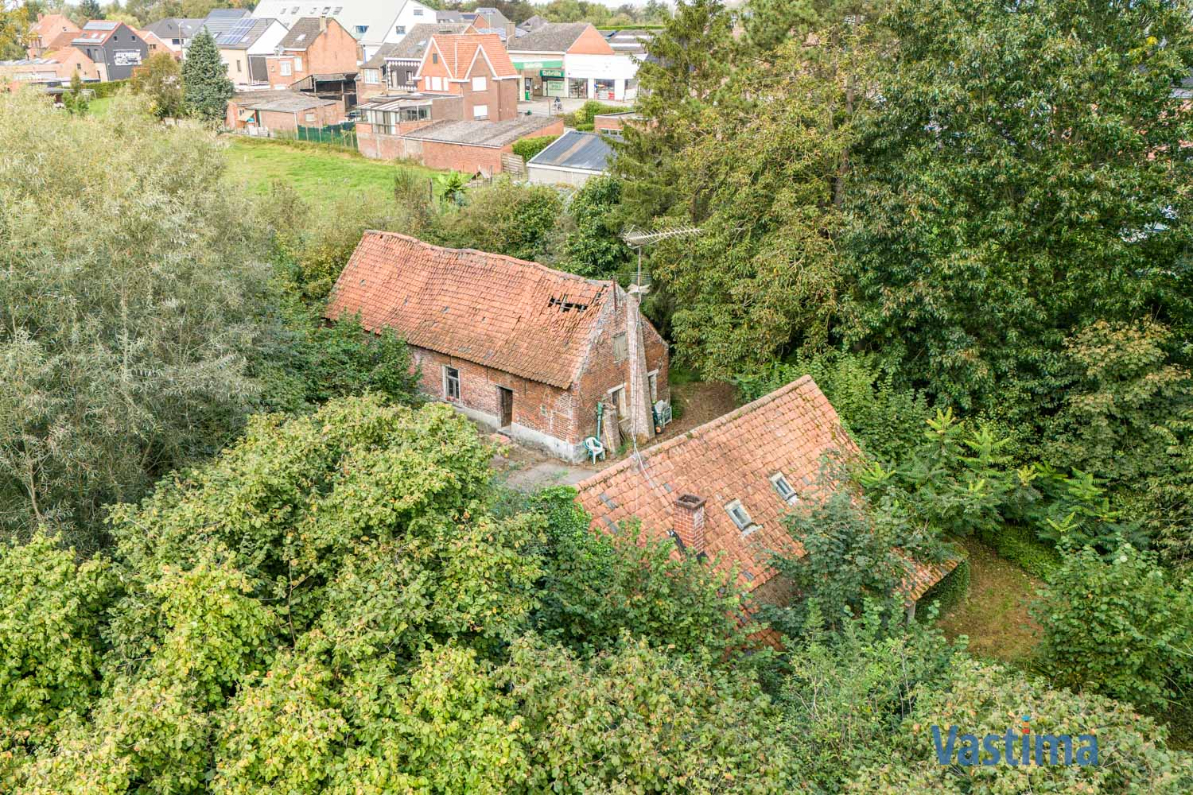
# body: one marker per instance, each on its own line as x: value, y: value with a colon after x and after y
x: 783, y: 488
x: 740, y: 517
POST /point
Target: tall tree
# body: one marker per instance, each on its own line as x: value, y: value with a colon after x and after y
x: 205, y: 79
x: 125, y: 342
x: 160, y: 79
x: 1025, y: 176
x: 90, y: 9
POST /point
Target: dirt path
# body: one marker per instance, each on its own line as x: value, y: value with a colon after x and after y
x: 995, y: 613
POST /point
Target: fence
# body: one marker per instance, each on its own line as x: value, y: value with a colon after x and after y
x: 341, y: 135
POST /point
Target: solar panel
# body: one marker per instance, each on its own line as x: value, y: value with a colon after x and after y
x: 101, y: 24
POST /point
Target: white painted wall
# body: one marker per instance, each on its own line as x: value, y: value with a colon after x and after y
x: 618, y: 68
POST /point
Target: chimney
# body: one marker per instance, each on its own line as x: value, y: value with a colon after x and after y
x: 323, y: 24
x: 689, y: 522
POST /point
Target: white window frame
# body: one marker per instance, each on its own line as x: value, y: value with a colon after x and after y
x: 451, y: 374
x: 480, y: 83
x: 298, y: 64
x: 287, y: 69
x: 372, y: 76
x: 740, y: 517
x: 784, y: 488
x: 480, y: 112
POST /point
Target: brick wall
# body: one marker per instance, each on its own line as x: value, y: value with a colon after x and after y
x: 333, y: 50
x: 436, y: 154
x: 540, y: 412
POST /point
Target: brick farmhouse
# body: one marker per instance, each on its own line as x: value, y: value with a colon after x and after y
x: 312, y: 46
x: 721, y: 490
x: 514, y: 345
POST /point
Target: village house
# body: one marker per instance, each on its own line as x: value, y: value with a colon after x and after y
x: 394, y: 66
x: 270, y: 110
x: 371, y: 22
x: 477, y: 68
x: 720, y: 491
x: 156, y: 45
x: 514, y: 345
x: 49, y: 33
x: 51, y: 69
x: 312, y: 46
x: 572, y: 59
x: 175, y: 33
x: 244, y: 43
x: 114, y: 47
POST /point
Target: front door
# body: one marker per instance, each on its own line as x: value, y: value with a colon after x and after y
x: 507, y: 406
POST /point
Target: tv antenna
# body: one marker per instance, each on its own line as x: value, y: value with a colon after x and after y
x: 638, y: 239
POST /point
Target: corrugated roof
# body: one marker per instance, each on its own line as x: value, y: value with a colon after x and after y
x: 514, y: 316
x: 733, y: 458
x: 275, y: 100
x: 482, y: 133
x: 576, y: 150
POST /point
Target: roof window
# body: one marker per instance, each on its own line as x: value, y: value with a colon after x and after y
x: 740, y: 517
x: 783, y: 488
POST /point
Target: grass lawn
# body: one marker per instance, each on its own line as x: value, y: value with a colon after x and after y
x: 995, y: 613
x: 99, y: 107
x: 320, y: 174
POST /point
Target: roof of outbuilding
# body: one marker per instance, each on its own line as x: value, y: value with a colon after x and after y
x: 552, y: 37
x: 275, y: 100
x: 482, y: 133
x: 576, y: 150
x: 459, y: 51
x: 515, y: 316
x: 792, y: 430
x: 414, y: 43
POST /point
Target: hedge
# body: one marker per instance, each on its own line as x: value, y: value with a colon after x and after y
x: 529, y: 147
x: 104, y: 90
x: 948, y: 592
x: 1020, y: 546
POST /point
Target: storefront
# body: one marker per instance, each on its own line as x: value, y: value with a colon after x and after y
x: 553, y: 82
x: 578, y: 88
x: 541, y: 78
x: 602, y: 77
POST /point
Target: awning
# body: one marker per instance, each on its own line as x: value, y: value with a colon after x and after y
x: 536, y: 65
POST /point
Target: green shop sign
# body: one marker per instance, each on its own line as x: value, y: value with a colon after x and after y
x: 551, y: 73
x: 533, y: 65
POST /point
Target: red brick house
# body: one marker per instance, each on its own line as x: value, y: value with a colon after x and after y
x: 476, y: 67
x: 720, y: 491
x: 312, y: 46
x: 512, y: 344
x: 49, y: 33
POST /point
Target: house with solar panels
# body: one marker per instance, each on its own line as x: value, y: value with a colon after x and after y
x: 115, y: 48
x: 244, y: 43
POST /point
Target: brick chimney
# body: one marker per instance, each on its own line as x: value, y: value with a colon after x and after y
x: 689, y: 522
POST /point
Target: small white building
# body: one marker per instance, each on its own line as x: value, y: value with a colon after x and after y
x: 572, y: 59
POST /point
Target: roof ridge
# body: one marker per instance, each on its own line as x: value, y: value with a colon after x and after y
x: 724, y: 419
x: 488, y: 254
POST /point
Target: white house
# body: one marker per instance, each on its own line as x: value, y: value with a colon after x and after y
x: 372, y: 22
x: 572, y: 59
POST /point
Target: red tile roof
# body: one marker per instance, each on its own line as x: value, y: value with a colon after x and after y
x: 791, y: 431
x: 458, y: 52
x: 515, y: 316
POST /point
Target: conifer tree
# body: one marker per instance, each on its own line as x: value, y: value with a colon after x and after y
x: 205, y: 81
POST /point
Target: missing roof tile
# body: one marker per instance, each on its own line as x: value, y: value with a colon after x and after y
x: 566, y: 305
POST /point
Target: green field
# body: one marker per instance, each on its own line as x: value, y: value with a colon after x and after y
x: 320, y: 174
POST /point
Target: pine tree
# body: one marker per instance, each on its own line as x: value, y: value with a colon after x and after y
x: 90, y: 9
x: 205, y: 81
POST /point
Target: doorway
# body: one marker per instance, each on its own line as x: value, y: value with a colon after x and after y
x: 506, y: 403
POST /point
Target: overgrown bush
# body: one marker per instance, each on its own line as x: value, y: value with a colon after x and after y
x: 529, y: 147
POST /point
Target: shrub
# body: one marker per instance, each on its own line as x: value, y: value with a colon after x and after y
x: 948, y: 592
x: 529, y: 147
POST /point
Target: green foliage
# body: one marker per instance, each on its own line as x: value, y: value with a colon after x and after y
x: 985, y: 699
x: 593, y: 246
x: 1121, y: 627
x: 205, y: 80
x: 950, y: 591
x: 74, y: 100
x: 1020, y: 545
x: 160, y: 78
x: 108, y: 89
x: 49, y: 631
x: 529, y: 147
x: 597, y: 587
x: 128, y: 340
x: 886, y: 421
x: 1022, y: 178
x: 504, y: 218
x: 847, y: 694
x: 583, y: 117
